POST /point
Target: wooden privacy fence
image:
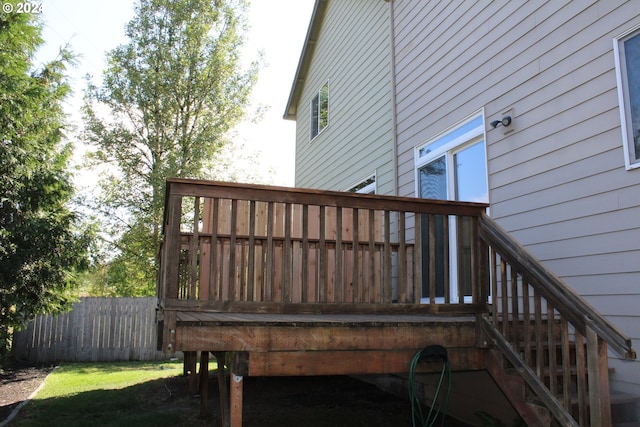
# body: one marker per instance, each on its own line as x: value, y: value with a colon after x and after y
x: 95, y: 330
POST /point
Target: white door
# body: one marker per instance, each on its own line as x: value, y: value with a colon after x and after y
x: 451, y: 166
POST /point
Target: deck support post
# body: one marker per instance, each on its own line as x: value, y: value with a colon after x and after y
x: 204, y: 382
x: 236, y: 399
x: 190, y: 362
x: 222, y: 389
x: 239, y: 369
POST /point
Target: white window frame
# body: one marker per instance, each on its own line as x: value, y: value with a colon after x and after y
x: 365, y: 186
x: 449, y: 149
x: 315, y: 129
x: 631, y: 158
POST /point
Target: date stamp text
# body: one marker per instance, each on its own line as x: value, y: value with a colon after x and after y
x: 26, y: 7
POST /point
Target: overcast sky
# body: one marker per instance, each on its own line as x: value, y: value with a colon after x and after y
x: 278, y: 29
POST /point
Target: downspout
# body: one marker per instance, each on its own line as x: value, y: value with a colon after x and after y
x: 394, y: 118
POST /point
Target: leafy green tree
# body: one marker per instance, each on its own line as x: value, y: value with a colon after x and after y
x: 39, y: 250
x: 167, y: 99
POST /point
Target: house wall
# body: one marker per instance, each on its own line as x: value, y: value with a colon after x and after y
x: 353, y: 54
x: 557, y: 179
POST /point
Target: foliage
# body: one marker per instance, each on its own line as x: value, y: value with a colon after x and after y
x: 39, y: 251
x: 168, y: 98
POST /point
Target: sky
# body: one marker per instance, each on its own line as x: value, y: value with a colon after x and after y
x: 277, y: 28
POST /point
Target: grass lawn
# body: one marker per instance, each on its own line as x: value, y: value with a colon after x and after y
x: 111, y: 394
x: 155, y: 394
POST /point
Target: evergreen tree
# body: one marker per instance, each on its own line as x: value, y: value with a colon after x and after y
x: 39, y: 251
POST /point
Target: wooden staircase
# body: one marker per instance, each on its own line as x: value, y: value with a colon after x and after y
x: 548, y: 347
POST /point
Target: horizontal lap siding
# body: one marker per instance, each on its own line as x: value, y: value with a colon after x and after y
x: 558, y: 181
x: 352, y: 53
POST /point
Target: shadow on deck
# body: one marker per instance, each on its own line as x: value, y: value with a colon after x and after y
x: 281, y: 281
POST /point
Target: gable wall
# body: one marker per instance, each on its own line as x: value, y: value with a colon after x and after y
x: 558, y: 180
x: 353, y: 54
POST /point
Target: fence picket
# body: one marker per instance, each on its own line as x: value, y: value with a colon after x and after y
x: 95, y: 330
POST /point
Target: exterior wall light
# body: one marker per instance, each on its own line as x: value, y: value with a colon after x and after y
x: 506, y: 121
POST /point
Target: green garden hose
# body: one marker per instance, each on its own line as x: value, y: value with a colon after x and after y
x: 433, y: 353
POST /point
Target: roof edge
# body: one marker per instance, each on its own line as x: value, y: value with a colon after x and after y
x: 305, y: 58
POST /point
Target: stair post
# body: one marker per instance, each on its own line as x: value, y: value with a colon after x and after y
x: 598, y: 378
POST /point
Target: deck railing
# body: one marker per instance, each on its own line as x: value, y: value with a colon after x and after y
x: 250, y: 248
x: 555, y: 340
x: 259, y: 248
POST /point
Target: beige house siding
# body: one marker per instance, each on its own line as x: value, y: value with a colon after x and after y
x: 353, y: 54
x: 557, y: 180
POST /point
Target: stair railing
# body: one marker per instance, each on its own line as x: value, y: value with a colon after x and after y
x: 553, y: 338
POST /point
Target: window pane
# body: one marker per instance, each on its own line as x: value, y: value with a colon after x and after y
x: 446, y: 138
x: 470, y: 173
x: 632, y: 64
x: 324, y: 108
x: 314, y: 116
x: 433, y: 180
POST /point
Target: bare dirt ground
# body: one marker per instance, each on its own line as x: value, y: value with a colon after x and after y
x: 275, y: 401
x: 17, y: 384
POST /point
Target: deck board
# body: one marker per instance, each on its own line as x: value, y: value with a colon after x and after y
x: 301, y: 320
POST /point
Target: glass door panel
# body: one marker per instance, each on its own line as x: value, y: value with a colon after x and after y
x: 471, y: 172
x: 471, y: 186
x: 433, y: 185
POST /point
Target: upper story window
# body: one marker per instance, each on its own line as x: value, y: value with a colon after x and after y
x: 320, y: 111
x: 627, y: 56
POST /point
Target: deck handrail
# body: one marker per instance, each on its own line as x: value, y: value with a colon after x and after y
x: 565, y: 300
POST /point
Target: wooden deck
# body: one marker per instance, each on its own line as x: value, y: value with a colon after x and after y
x: 282, y: 281
x: 313, y: 344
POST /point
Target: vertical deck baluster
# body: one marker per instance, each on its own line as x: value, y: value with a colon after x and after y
x: 215, y: 290
x: 193, y: 251
x: 268, y: 288
x: 479, y: 287
x: 417, y: 259
x: 494, y: 286
x: 388, y: 293
x: 251, y: 275
x: 322, y: 265
x: 402, y: 258
x: 286, y: 256
x: 566, y: 362
x: 340, y: 288
x: 432, y: 260
x: 515, y: 312
x: 447, y: 261
x: 234, y: 292
x: 372, y: 292
x: 459, y: 221
x: 304, y: 291
x: 357, y: 285
x: 505, y: 297
x: 526, y: 322
x: 537, y: 304
x: 552, y: 342
x: 204, y: 281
